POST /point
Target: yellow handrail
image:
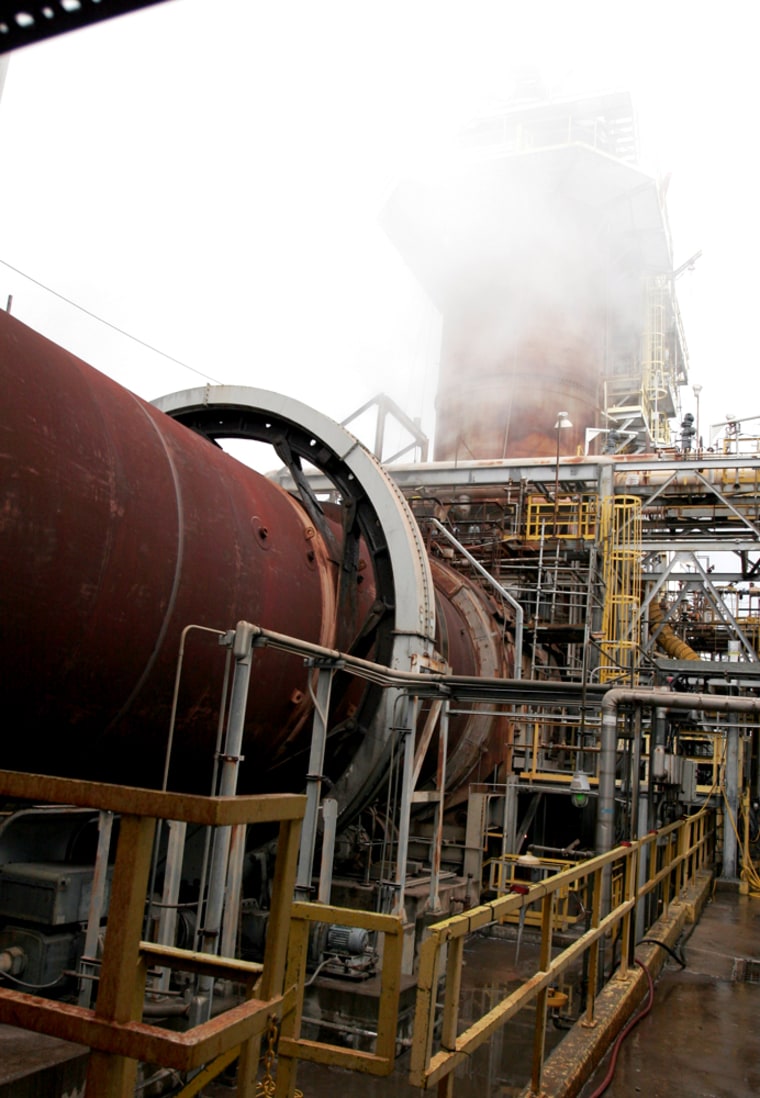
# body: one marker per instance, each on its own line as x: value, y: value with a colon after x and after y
x: 673, y: 857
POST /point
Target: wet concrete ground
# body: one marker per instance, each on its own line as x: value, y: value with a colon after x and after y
x: 702, y: 1037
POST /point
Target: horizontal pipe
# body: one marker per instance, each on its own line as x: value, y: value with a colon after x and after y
x: 661, y: 699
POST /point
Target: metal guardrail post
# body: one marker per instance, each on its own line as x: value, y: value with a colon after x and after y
x: 292, y: 1047
x: 451, y: 1009
x: 276, y: 948
x: 629, y: 919
x: 539, y: 1038
x: 593, y: 960
x: 114, y: 1032
x: 122, y: 975
x: 424, y: 1010
x: 684, y: 859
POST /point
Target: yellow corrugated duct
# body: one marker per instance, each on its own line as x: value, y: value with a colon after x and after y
x: 672, y: 645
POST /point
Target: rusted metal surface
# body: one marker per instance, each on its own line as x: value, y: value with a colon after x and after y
x: 120, y: 527
x: 530, y: 252
x: 121, y: 988
x: 469, y: 638
x: 509, y: 404
x: 524, y: 281
x: 136, y: 1040
x: 570, y: 1065
x: 128, y: 528
x: 273, y: 979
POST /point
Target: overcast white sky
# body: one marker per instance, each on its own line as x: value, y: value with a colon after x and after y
x: 208, y: 177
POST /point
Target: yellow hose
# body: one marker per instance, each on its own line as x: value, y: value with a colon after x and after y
x: 672, y: 645
x: 748, y: 871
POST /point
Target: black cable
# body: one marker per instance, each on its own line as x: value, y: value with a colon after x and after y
x: 108, y: 323
x: 672, y: 952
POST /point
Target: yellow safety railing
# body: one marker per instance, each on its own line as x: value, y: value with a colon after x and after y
x: 672, y: 858
x: 506, y: 874
x: 292, y: 1046
x: 114, y: 1031
x: 566, y: 517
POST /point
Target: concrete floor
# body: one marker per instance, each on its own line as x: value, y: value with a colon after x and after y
x: 701, y: 1039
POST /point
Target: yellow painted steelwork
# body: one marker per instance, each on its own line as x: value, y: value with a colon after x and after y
x: 621, y: 571
x: 114, y: 1032
x: 292, y: 1047
x: 571, y: 518
x: 671, y: 858
x: 503, y: 873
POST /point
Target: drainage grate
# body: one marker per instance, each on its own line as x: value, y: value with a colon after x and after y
x: 746, y: 971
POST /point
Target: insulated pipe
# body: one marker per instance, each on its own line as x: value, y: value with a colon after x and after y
x: 663, y: 699
x: 330, y: 821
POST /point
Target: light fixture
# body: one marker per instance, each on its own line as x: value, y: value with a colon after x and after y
x: 579, y: 789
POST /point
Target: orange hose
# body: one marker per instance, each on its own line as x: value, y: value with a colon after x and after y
x: 666, y: 638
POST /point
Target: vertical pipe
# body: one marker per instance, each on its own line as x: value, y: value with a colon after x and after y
x: 636, y: 774
x: 538, y: 594
x: 435, y: 871
x: 658, y: 740
x: 167, y: 920
x: 605, y: 817
x: 88, y: 965
x: 242, y: 651
x: 407, y: 717
x: 314, y: 777
x: 231, y: 919
x: 643, y: 862
x: 731, y: 812
x: 330, y: 822
x: 509, y: 822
